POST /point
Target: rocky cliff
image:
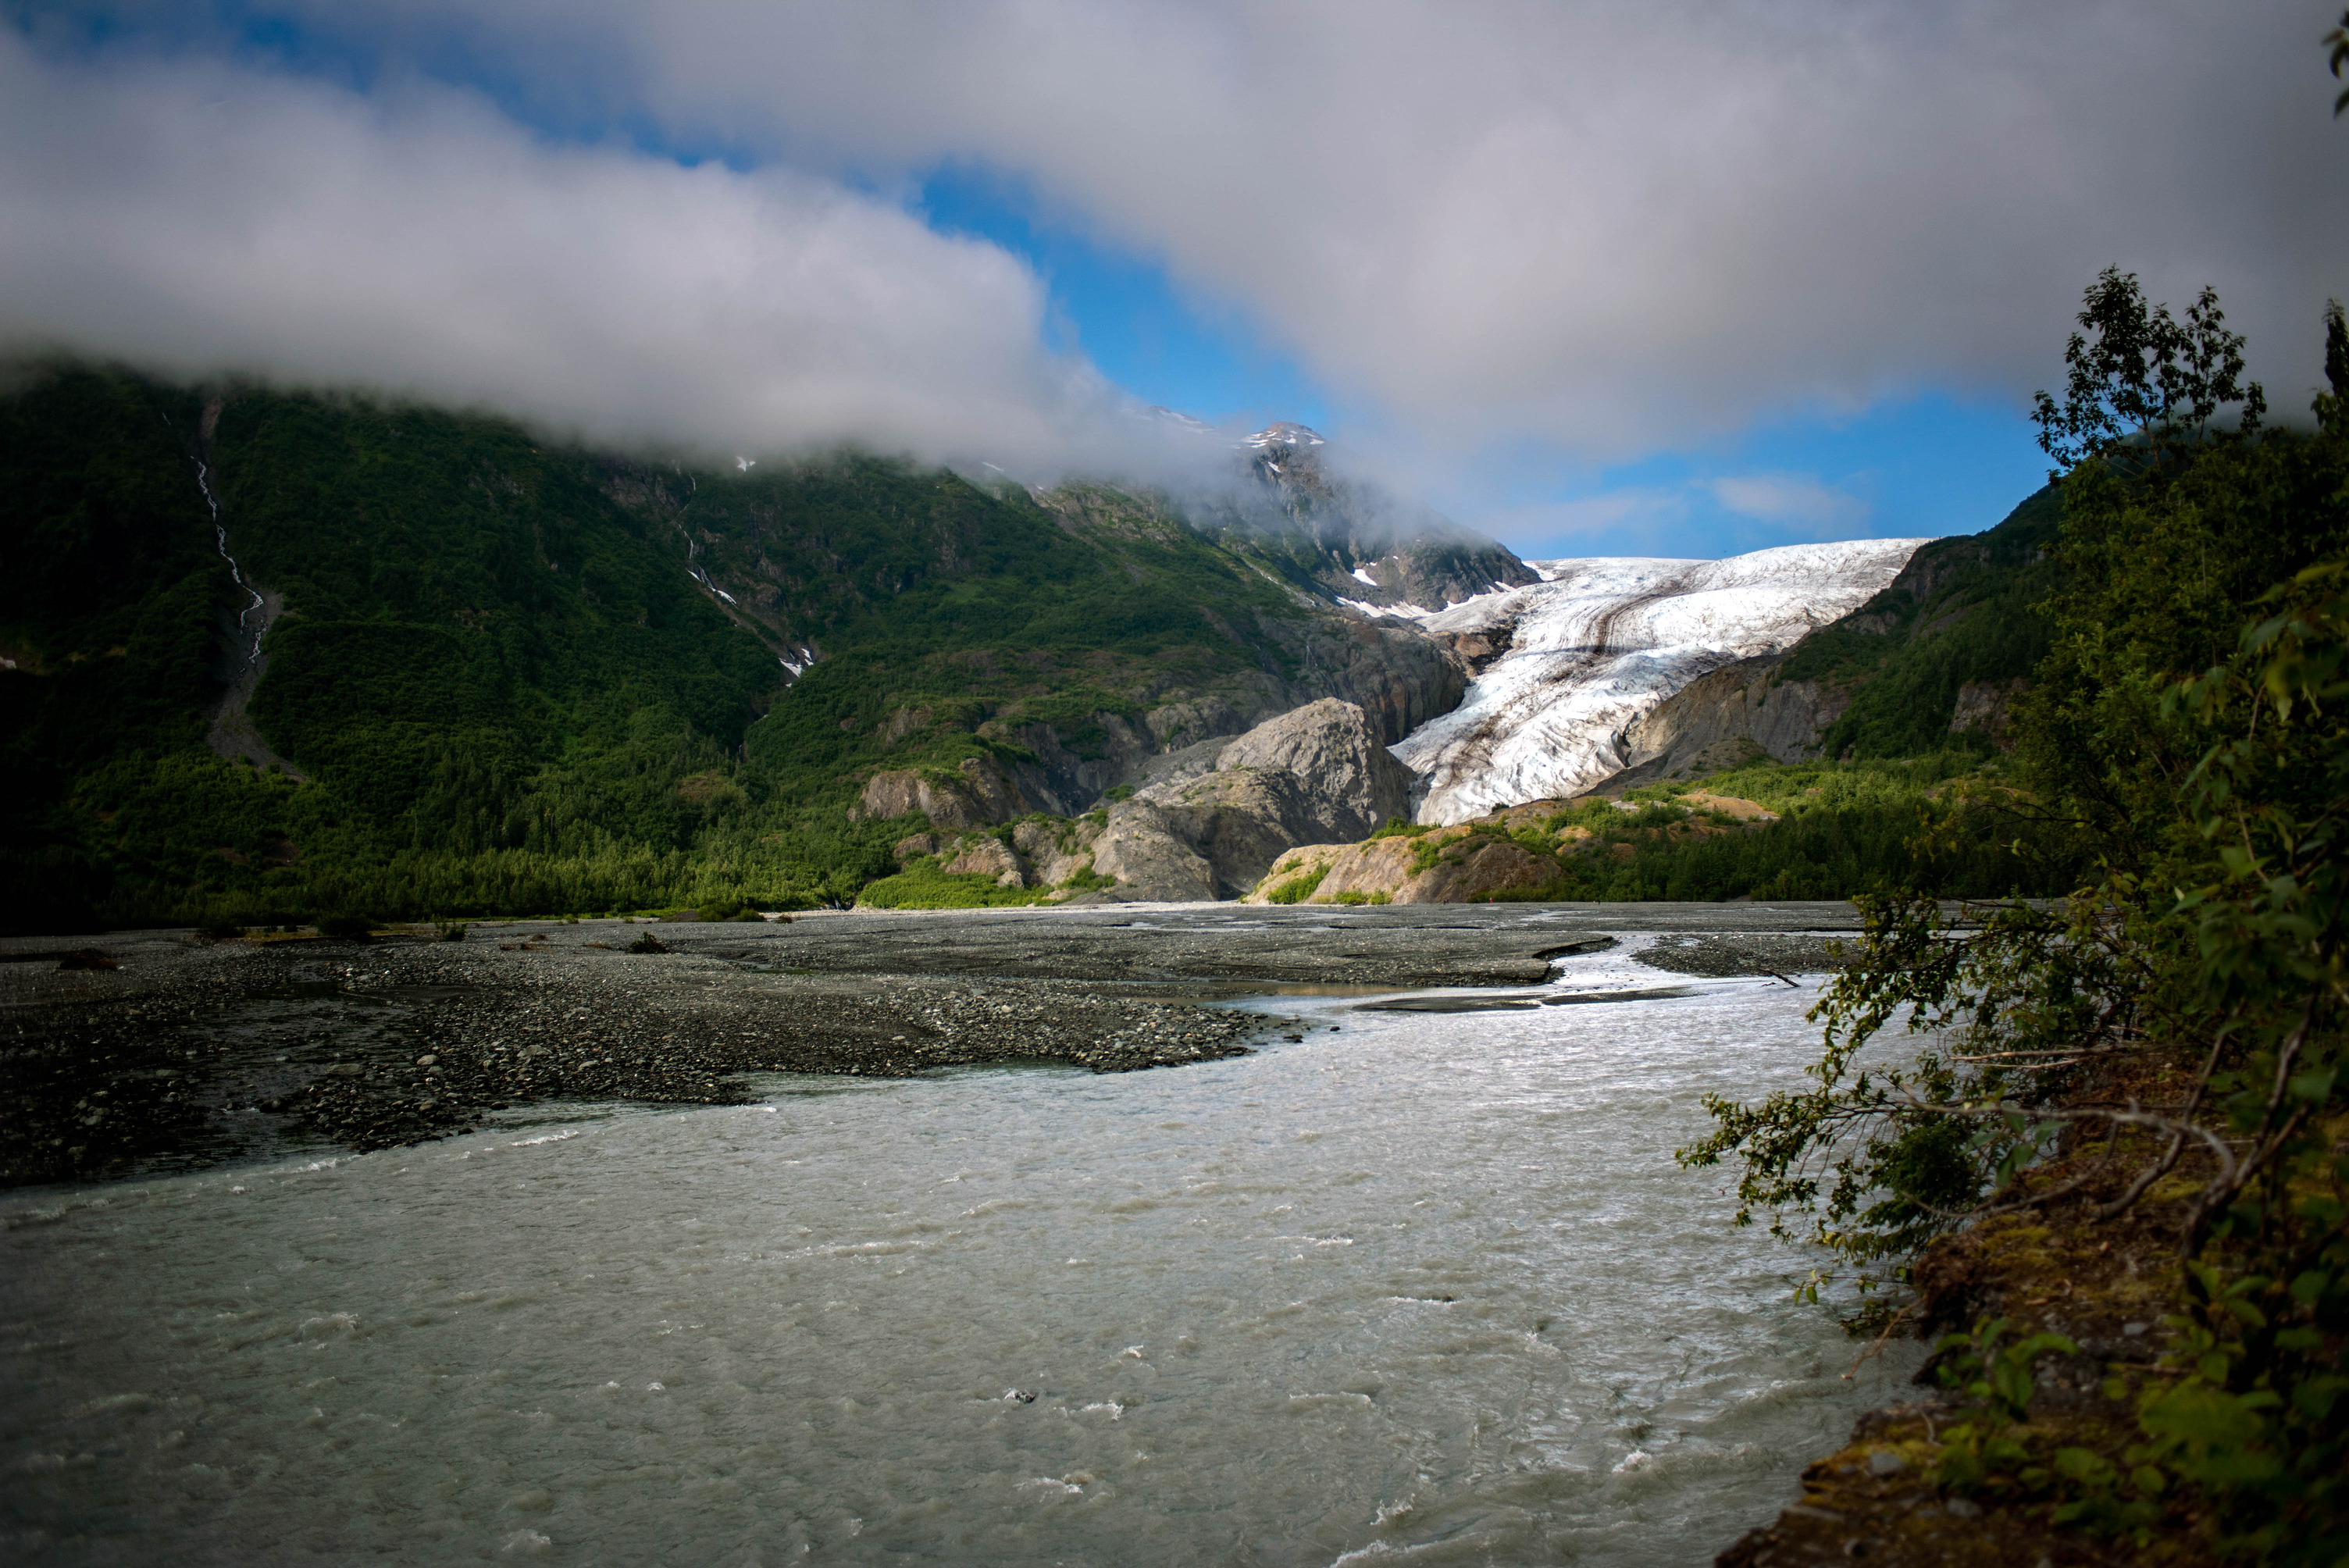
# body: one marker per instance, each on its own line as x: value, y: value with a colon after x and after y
x: 1725, y: 717
x: 1214, y: 817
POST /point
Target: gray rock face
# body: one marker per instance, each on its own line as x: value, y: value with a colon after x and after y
x: 1053, y: 854
x: 1985, y: 706
x: 989, y: 856
x: 976, y: 794
x: 1140, y: 849
x: 1346, y: 782
x: 1318, y: 774
x: 1709, y: 722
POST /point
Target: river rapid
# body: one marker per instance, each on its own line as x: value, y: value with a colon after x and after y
x: 1426, y: 1289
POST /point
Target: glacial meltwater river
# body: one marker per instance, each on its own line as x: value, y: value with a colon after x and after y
x: 1428, y: 1289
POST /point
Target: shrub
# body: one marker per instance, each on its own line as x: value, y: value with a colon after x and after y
x: 1297, y: 890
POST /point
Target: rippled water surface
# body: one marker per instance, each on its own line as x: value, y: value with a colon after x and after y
x: 1427, y: 1289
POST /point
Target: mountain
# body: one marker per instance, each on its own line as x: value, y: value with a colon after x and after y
x: 1346, y: 538
x: 1931, y: 660
x: 268, y: 654
x: 497, y: 672
x: 1569, y: 663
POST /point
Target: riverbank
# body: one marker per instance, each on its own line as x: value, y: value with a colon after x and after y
x: 191, y: 1052
x: 2107, y: 1284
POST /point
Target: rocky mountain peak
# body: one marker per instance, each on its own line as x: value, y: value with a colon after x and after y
x: 1283, y: 433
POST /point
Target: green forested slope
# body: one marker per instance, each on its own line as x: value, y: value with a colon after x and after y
x: 1963, y: 610
x: 498, y: 673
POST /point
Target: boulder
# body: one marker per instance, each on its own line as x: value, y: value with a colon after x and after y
x: 1348, y: 783
x: 913, y: 846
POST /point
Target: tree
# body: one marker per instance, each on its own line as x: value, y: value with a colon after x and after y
x: 2180, y: 1025
x: 2143, y: 385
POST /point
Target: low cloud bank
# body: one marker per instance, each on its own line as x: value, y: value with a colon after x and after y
x: 1493, y: 227
x: 1604, y: 228
x: 197, y: 219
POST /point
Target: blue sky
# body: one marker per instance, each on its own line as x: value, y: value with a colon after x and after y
x: 1926, y: 463
x: 1691, y: 284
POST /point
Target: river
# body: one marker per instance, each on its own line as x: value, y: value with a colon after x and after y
x: 1426, y: 1289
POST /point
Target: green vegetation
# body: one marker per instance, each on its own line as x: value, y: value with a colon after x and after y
x: 1843, y: 829
x: 2164, y: 1046
x: 1298, y: 889
x: 925, y: 884
x: 1964, y: 611
x: 496, y: 671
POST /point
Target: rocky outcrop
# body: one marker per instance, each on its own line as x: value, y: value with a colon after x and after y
x: 987, y: 857
x: 1985, y: 706
x: 1055, y: 852
x: 1211, y: 828
x: 1408, y: 870
x: 972, y: 795
x: 1215, y: 815
x: 1144, y: 851
x: 1507, y: 854
x: 1349, y: 782
x: 1732, y: 715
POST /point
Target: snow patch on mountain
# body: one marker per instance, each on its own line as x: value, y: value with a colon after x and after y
x: 1602, y: 641
x: 1283, y: 433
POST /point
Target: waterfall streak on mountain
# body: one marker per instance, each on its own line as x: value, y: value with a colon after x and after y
x: 220, y: 539
x: 1604, y: 640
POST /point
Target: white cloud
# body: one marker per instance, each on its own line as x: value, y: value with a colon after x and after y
x: 194, y: 217
x: 1582, y: 225
x: 1797, y: 501
x: 1608, y: 226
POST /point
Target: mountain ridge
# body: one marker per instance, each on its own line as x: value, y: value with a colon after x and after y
x: 523, y: 675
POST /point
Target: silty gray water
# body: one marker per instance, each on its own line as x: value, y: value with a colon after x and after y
x: 1427, y: 1289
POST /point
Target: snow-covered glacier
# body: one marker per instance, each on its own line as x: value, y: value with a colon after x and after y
x: 1605, y: 640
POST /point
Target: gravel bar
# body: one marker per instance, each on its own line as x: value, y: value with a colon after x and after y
x: 191, y: 1053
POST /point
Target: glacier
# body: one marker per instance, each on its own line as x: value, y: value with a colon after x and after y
x: 1602, y: 641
